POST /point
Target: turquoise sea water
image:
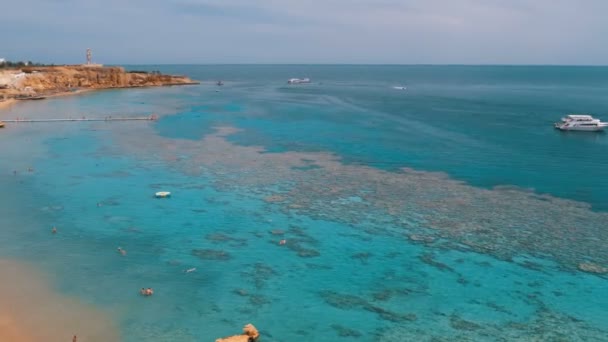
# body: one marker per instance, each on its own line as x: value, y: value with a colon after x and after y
x: 481, y: 238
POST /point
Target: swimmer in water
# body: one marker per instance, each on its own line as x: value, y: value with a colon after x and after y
x: 142, y: 291
x: 149, y: 291
x: 282, y: 242
x: 54, y: 230
x: 122, y: 251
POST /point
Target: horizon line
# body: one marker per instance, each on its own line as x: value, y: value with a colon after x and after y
x: 369, y: 64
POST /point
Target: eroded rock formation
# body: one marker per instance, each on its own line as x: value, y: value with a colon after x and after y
x: 250, y: 333
x: 60, y: 79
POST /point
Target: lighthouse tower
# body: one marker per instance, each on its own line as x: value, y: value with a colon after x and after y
x: 89, y: 62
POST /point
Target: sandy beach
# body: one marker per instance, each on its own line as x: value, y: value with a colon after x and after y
x: 30, y: 311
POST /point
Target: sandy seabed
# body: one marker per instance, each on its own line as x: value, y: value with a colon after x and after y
x: 30, y: 311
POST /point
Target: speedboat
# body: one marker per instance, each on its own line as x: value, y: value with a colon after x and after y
x: 163, y: 194
x: 399, y: 88
x: 579, y: 122
x: 298, y: 80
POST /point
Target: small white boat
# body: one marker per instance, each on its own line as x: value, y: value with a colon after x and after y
x: 162, y: 194
x: 578, y: 122
x: 298, y: 80
x: 399, y: 88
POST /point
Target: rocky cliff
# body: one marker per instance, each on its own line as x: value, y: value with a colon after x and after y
x: 53, y: 80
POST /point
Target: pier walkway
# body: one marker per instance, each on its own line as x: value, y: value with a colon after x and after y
x: 139, y: 118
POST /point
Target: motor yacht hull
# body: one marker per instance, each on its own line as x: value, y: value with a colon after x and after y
x: 562, y: 127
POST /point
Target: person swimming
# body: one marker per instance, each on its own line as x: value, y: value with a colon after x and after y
x: 146, y: 292
x: 282, y: 242
x: 122, y: 251
x: 54, y: 230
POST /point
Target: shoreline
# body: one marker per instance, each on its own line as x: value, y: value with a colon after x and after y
x: 47, y: 82
x: 8, y: 103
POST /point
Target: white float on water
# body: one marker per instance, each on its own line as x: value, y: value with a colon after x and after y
x: 163, y: 194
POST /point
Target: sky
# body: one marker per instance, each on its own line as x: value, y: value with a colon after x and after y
x: 306, y: 31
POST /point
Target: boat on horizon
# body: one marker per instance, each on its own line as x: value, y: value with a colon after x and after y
x: 298, y: 80
x: 580, y: 122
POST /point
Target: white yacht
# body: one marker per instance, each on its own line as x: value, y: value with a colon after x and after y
x: 298, y: 80
x: 577, y: 122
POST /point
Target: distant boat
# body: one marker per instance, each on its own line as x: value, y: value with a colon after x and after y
x: 220, y: 83
x: 578, y: 122
x: 163, y: 194
x: 399, y: 88
x: 298, y: 80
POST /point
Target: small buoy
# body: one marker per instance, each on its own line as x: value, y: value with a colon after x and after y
x: 163, y: 194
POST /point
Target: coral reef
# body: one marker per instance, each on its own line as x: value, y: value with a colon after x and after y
x: 345, y: 331
x: 592, y: 268
x: 351, y: 302
x: 211, y: 254
x: 422, y: 207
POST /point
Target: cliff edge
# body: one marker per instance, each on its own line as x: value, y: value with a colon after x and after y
x: 42, y: 81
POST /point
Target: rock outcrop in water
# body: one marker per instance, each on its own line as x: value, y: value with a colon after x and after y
x: 250, y: 333
x: 63, y: 79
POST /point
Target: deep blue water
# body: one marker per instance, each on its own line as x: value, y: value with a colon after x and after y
x: 354, y: 266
